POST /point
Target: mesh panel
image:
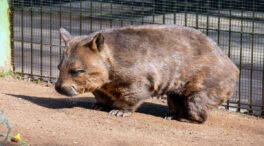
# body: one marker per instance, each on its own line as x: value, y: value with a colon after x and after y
x: 237, y: 26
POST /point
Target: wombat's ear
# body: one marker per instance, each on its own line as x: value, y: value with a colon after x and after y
x: 66, y: 36
x: 97, y: 43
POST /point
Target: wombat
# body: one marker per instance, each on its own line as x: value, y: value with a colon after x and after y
x: 124, y: 66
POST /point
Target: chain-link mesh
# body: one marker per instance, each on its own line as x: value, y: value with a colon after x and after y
x: 236, y: 25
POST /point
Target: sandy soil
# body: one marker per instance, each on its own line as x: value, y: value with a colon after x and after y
x: 43, y: 117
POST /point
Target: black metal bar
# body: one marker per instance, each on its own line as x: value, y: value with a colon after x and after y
x: 174, y: 11
x: 185, y: 12
x: 22, y: 38
x: 50, y: 39
x: 252, y: 56
x: 229, y: 49
x: 31, y: 38
x: 132, y: 12
x: 163, y: 12
x: 122, y: 14
x: 111, y: 13
x: 11, y: 22
x: 142, y: 12
x: 81, y: 17
x: 70, y: 16
x: 241, y: 49
x: 218, y: 22
x: 207, y: 17
x: 60, y: 27
x: 101, y: 14
x: 41, y: 41
x: 91, y: 16
x: 196, y: 15
x: 153, y: 11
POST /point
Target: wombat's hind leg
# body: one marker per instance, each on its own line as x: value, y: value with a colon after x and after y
x: 197, y: 111
x: 177, y: 107
x: 187, y: 109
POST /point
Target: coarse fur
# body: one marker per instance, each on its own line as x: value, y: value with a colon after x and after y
x: 124, y: 66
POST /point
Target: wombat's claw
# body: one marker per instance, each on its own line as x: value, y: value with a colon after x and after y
x: 170, y: 116
x: 120, y: 113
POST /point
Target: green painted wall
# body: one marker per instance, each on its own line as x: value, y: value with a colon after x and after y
x: 5, y: 50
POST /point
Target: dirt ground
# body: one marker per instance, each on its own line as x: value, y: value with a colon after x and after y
x: 43, y: 117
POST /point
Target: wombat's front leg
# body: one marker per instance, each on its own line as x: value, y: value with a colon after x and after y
x: 123, y: 100
x: 130, y: 99
x: 103, y: 101
x: 127, y: 104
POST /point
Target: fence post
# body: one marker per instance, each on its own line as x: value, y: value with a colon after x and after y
x: 5, y: 48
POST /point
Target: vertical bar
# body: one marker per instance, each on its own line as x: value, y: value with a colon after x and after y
x: 11, y: 22
x: 153, y: 11
x: 122, y: 14
x: 70, y: 16
x: 60, y: 27
x: 132, y: 11
x: 111, y: 13
x: 91, y: 14
x: 185, y: 12
x: 142, y: 12
x: 31, y: 38
x: 252, y: 56
x: 80, y: 17
x: 101, y: 14
x: 229, y: 51
x: 262, y: 111
x: 218, y: 23
x: 174, y: 11
x: 196, y: 15
x: 50, y: 40
x: 241, y: 41
x: 207, y: 16
x: 163, y: 12
x: 41, y: 46
x: 22, y: 38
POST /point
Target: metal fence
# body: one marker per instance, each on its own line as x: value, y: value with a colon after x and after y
x: 236, y: 25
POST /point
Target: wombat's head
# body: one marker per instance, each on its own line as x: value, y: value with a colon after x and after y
x: 82, y: 67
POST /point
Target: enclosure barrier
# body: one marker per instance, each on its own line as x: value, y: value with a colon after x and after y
x: 237, y: 26
x: 5, y: 51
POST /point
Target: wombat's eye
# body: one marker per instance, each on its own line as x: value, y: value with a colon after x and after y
x: 75, y: 73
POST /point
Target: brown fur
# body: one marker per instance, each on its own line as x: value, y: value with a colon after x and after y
x: 122, y: 67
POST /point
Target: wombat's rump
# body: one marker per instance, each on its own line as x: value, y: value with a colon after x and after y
x: 122, y: 67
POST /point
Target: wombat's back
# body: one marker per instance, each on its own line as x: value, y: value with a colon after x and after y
x: 141, y: 43
x: 169, y: 44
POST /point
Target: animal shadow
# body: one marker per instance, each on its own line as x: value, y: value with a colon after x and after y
x: 88, y: 102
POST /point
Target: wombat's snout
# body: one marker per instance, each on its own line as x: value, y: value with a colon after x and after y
x: 68, y: 91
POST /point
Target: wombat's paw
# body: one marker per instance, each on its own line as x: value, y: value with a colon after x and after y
x: 120, y: 113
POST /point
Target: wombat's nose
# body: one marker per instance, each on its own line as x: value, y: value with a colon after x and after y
x: 69, y: 91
